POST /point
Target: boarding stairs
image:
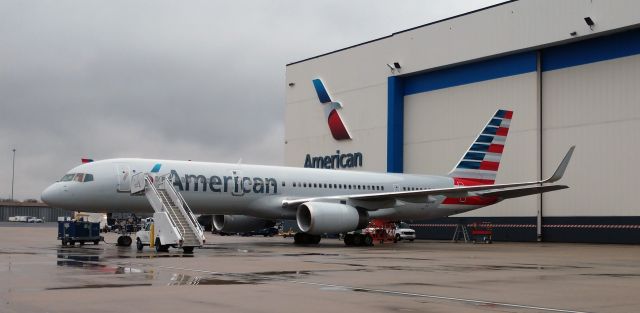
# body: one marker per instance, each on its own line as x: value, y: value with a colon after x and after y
x: 174, y: 221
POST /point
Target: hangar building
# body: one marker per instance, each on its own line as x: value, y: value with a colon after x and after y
x: 413, y: 101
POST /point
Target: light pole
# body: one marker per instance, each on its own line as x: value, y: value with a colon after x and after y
x: 13, y: 172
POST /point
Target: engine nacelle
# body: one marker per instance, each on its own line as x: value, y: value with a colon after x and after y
x: 321, y: 217
x: 239, y: 223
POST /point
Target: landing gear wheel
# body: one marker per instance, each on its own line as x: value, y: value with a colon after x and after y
x: 71, y: 242
x: 64, y: 242
x: 95, y: 242
x: 357, y: 240
x: 397, y: 238
x: 348, y: 239
x: 304, y: 238
x: 368, y: 240
x: 139, y: 245
x: 187, y: 249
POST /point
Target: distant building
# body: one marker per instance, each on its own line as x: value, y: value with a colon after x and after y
x: 37, y: 209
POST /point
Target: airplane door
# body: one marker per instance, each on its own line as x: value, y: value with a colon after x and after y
x: 396, y: 188
x: 124, y: 177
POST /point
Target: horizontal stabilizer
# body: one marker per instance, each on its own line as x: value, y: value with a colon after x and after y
x: 521, y: 192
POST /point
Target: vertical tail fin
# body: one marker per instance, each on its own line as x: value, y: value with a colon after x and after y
x: 479, y: 165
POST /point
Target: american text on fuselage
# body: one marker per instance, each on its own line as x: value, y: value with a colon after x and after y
x: 231, y: 183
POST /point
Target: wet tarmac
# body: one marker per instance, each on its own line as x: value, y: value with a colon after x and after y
x: 256, y: 274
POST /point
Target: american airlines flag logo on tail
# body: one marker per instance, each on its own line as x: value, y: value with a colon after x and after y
x: 479, y: 165
x: 336, y: 125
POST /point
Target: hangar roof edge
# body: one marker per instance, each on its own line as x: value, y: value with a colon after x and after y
x: 403, y: 31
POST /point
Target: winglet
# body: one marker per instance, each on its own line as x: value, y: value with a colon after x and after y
x: 562, y: 167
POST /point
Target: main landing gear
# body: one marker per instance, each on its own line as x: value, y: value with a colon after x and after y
x: 306, y: 239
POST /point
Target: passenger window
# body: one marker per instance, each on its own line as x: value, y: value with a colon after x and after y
x: 294, y: 184
x: 305, y: 184
x: 88, y: 177
x: 283, y: 184
x: 315, y: 185
x: 325, y: 185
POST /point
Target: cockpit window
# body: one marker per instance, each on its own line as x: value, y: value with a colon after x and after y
x: 79, y: 177
x: 67, y: 177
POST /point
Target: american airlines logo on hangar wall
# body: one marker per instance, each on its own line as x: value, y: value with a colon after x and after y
x: 336, y: 125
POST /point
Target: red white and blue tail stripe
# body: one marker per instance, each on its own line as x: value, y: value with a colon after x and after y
x: 336, y: 125
x: 480, y: 163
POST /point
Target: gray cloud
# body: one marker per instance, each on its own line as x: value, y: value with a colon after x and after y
x: 201, y: 80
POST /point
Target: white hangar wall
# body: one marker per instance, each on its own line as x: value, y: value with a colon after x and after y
x: 568, y: 84
x: 595, y: 106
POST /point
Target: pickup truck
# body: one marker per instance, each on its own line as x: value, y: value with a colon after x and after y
x: 404, y: 232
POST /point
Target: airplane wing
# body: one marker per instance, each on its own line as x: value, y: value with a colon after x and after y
x: 504, y: 191
x: 520, y: 192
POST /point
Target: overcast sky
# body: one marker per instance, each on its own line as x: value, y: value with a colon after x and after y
x: 199, y: 80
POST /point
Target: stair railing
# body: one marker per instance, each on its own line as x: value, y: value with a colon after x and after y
x: 182, y: 204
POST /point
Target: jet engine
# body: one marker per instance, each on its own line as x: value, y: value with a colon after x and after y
x: 322, y: 217
x: 239, y: 223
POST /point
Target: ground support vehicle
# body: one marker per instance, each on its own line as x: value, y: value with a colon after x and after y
x: 70, y: 232
x: 266, y: 232
x: 288, y: 233
x: 377, y: 231
x: 481, y: 232
x: 404, y: 232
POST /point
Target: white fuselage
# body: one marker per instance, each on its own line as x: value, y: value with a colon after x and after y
x: 241, y: 189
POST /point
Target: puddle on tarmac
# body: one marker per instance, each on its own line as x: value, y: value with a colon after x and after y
x: 282, y: 274
x: 336, y: 288
x: 93, y: 286
x: 178, y: 279
x: 153, y: 256
x: 19, y: 252
x: 310, y: 254
x: 629, y: 275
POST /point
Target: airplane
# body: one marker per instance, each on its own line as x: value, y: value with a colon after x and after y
x: 243, y: 197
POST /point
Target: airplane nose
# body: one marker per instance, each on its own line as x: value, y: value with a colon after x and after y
x: 51, y: 195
